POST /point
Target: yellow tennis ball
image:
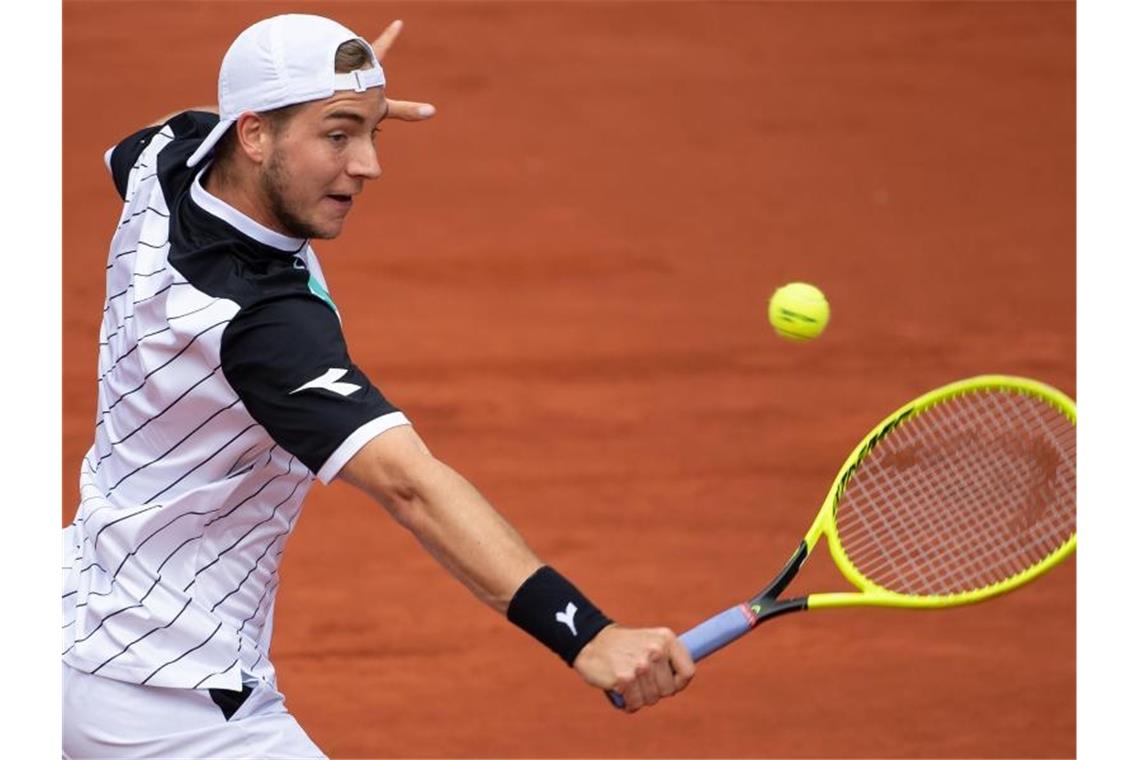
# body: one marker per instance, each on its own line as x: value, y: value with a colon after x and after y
x: 798, y: 311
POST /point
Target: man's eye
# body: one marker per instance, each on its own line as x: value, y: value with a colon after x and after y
x: 338, y: 138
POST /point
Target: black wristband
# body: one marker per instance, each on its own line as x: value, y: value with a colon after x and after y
x: 548, y: 607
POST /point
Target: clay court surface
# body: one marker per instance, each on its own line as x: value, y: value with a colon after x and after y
x: 562, y: 280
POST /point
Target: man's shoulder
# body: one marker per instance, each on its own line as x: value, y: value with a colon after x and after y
x: 186, y: 132
x: 160, y: 149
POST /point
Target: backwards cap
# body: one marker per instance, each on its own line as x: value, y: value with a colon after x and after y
x: 283, y: 61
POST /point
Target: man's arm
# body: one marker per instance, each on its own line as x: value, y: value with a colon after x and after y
x: 445, y: 512
x: 172, y: 114
x: 477, y: 545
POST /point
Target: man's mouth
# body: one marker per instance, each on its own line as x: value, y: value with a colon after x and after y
x: 342, y: 200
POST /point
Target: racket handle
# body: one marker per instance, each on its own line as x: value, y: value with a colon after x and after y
x: 719, y: 630
x: 709, y: 636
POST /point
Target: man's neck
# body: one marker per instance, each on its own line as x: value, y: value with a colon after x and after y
x: 242, y: 197
x: 225, y: 201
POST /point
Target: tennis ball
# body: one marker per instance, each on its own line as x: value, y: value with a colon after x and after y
x: 798, y: 311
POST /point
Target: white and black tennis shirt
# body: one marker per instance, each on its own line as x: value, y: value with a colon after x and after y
x: 225, y: 388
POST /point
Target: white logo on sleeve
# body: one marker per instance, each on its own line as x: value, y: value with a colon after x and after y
x: 567, y: 617
x: 328, y: 382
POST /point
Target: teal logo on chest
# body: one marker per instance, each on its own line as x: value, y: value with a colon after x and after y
x: 319, y: 291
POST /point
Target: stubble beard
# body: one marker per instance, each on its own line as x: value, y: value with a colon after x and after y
x: 273, y: 182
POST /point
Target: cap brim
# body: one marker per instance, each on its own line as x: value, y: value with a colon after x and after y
x: 210, y: 141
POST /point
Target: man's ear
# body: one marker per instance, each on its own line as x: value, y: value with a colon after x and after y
x: 253, y: 135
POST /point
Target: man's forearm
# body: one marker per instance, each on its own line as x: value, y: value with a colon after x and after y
x: 455, y: 524
x: 467, y: 536
x: 477, y: 545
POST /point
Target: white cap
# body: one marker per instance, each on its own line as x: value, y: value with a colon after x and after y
x: 280, y: 62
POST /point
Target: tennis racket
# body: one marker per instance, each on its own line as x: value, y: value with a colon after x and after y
x: 965, y: 493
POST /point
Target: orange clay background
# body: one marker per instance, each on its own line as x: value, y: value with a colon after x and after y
x: 563, y: 278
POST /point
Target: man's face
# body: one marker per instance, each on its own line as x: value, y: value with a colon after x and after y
x: 318, y: 160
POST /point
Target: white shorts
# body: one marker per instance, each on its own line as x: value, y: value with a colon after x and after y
x: 103, y: 717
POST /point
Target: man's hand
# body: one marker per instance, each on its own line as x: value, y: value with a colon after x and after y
x: 641, y: 664
x: 404, y: 110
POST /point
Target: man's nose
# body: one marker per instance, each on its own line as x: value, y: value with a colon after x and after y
x: 364, y: 162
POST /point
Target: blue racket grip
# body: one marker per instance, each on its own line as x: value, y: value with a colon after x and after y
x: 718, y: 631
x: 709, y: 636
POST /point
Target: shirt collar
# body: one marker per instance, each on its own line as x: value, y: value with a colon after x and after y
x: 217, y: 207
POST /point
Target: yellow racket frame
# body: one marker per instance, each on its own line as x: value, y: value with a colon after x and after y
x: 869, y: 593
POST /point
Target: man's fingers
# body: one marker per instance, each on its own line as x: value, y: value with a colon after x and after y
x: 409, y: 110
x: 381, y: 44
x: 634, y: 699
x: 643, y: 665
x: 681, y: 663
x: 664, y: 678
x: 404, y: 110
x: 648, y: 684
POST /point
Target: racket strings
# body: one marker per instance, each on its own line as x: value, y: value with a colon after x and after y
x: 962, y: 495
x: 922, y: 563
x: 999, y: 551
x: 1003, y: 561
x: 973, y: 481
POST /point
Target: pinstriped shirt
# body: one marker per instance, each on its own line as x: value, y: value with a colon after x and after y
x: 224, y: 390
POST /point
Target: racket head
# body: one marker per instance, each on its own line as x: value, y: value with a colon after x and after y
x: 965, y: 493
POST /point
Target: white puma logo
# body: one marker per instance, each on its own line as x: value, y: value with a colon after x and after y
x: 328, y: 382
x: 567, y: 617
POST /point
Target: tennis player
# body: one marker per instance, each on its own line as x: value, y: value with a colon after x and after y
x: 226, y: 389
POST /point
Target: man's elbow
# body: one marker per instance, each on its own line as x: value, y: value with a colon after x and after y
x: 404, y: 501
x: 395, y: 469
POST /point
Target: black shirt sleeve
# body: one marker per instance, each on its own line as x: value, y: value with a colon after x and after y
x: 287, y: 360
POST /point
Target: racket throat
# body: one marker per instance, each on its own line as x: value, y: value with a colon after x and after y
x: 766, y: 604
x: 762, y: 610
x: 785, y: 576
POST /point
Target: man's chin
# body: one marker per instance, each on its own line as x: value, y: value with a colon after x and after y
x: 327, y: 231
x: 316, y: 227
